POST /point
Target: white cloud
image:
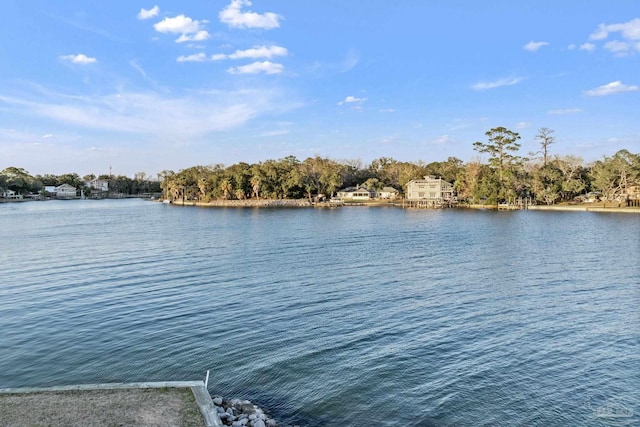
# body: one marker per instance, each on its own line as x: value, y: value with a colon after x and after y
x: 589, y: 47
x: 497, y: 83
x: 352, y: 100
x: 600, y: 34
x: 149, y: 13
x: 534, y: 46
x: 265, y: 67
x: 196, y: 57
x: 611, y: 88
x: 523, y: 125
x: 197, y: 37
x: 189, y: 29
x: 47, y: 136
x: 629, y: 32
x: 562, y: 111
x: 253, y: 53
x: 79, y: 59
x: 234, y: 17
x: 179, y: 24
x: 618, y: 47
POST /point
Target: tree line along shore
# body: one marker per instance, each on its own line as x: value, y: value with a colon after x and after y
x: 507, y: 175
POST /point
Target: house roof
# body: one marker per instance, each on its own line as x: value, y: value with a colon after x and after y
x: 354, y: 189
x: 65, y: 187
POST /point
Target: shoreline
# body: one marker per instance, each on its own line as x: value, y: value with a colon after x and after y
x: 303, y: 203
x: 582, y: 208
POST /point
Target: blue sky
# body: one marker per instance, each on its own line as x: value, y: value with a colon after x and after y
x: 148, y: 86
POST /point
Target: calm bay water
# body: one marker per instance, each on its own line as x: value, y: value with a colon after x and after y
x: 332, y: 317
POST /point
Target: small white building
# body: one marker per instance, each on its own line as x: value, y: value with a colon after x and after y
x: 356, y: 193
x: 66, y: 191
x: 388, y: 193
x: 10, y: 194
x: 98, y: 184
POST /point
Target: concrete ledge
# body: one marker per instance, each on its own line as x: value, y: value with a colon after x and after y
x: 106, y: 386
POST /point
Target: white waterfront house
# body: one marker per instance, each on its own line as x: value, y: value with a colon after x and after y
x: 356, y: 193
x: 99, y: 184
x: 388, y: 193
x: 430, y: 192
x: 10, y: 194
x: 66, y: 191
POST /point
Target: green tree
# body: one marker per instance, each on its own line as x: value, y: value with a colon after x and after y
x: 20, y: 181
x: 226, y: 188
x: 501, y: 146
x: 574, y: 176
x: 614, y: 175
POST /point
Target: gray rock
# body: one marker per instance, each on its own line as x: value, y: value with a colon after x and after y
x: 217, y: 401
x: 259, y: 423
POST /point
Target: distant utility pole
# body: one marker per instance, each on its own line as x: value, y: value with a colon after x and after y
x: 109, y: 171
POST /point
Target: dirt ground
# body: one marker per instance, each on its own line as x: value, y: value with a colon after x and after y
x: 160, y: 407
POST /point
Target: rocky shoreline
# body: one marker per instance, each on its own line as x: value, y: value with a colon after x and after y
x: 238, y: 413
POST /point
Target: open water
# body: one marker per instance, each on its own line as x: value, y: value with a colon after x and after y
x: 332, y: 317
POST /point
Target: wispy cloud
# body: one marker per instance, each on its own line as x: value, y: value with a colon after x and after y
x: 497, y: 83
x: 138, y: 68
x: 589, y: 47
x: 79, y: 59
x: 443, y: 140
x: 274, y: 133
x: 350, y: 61
x: 352, y: 100
x: 189, y: 29
x: 265, y: 67
x: 235, y: 17
x: 611, y: 88
x: 618, y: 47
x: 562, y: 111
x: 534, y: 46
x: 192, y: 115
x: 196, y: 57
x: 256, y: 52
x: 149, y: 13
x: 201, y: 35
